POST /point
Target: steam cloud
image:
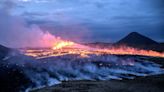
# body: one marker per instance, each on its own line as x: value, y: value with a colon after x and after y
x: 53, y: 70
x: 15, y: 32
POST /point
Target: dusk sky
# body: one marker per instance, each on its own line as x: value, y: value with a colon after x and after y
x: 85, y: 20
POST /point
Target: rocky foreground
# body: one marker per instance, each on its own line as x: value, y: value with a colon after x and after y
x: 15, y: 78
x: 152, y: 83
x: 143, y: 84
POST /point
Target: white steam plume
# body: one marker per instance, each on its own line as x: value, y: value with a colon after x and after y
x: 15, y: 32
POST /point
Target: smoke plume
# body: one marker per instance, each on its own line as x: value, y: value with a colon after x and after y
x: 15, y: 32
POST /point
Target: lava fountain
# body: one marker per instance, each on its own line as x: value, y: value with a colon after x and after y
x: 62, y: 44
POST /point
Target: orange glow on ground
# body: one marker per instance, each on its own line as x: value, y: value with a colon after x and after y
x: 67, y: 47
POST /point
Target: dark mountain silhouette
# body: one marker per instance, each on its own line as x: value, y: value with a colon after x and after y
x: 135, y: 38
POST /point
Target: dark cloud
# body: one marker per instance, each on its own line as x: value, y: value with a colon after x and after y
x: 91, y: 20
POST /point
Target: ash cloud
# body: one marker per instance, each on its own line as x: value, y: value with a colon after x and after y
x: 15, y: 32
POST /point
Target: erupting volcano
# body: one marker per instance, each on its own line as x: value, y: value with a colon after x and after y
x: 75, y: 46
x: 63, y: 47
x: 68, y: 60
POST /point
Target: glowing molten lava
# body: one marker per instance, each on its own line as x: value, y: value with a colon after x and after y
x: 62, y: 47
x: 62, y: 44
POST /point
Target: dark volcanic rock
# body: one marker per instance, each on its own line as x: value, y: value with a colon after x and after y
x: 143, y: 84
x: 12, y: 78
x: 3, y: 51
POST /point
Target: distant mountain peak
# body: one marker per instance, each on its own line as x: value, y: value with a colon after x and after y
x: 136, y: 38
x: 134, y: 33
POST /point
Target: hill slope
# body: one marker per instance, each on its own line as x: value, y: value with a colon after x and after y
x: 135, y: 38
x: 12, y: 78
x: 3, y: 51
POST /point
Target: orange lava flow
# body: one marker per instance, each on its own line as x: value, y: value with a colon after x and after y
x: 133, y: 51
x: 67, y: 47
